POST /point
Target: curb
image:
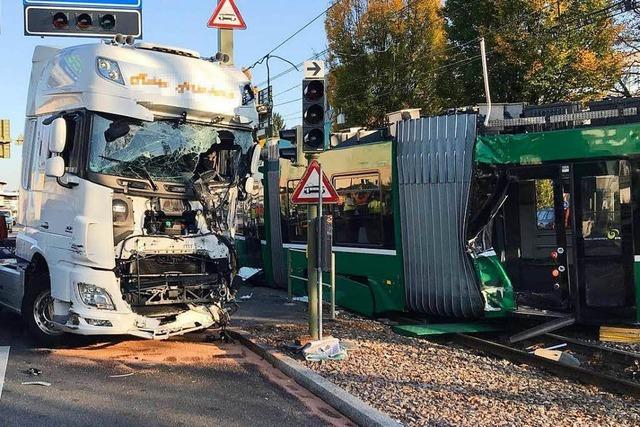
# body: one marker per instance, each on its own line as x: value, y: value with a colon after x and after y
x: 347, y: 404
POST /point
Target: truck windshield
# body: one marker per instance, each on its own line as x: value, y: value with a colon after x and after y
x: 164, y: 150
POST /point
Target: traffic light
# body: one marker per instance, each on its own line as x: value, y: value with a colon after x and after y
x: 294, y: 136
x: 314, y: 107
x: 61, y: 21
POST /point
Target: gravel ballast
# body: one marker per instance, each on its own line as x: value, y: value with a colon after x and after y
x: 419, y: 382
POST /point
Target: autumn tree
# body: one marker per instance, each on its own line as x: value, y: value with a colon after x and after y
x: 384, y: 56
x: 539, y: 51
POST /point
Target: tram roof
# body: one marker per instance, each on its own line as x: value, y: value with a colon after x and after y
x: 561, y: 145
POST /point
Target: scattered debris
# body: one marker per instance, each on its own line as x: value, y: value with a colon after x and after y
x: 325, y: 349
x: 532, y: 348
x: 246, y: 297
x: 557, y: 355
x: 304, y: 299
x: 247, y: 272
x: 421, y: 382
x: 620, y: 335
x: 38, y: 383
x: 34, y: 372
x: 122, y: 375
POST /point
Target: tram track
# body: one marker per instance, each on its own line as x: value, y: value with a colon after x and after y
x: 594, y: 374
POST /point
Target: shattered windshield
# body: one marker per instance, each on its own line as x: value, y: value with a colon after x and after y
x: 166, y: 151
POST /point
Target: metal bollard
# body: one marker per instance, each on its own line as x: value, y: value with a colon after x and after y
x: 289, y: 284
x: 333, y: 286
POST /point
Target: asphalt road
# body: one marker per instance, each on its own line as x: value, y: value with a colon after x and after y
x: 188, y: 381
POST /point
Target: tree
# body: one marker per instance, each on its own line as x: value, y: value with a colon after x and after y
x: 538, y: 51
x: 277, y: 123
x: 384, y: 56
x: 629, y: 46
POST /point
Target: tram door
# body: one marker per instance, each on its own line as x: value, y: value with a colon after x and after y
x: 538, y: 250
x: 604, y: 248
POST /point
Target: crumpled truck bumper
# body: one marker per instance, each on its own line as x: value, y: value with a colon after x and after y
x: 94, y: 322
x: 73, y: 316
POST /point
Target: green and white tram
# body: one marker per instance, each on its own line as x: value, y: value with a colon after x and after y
x: 452, y: 219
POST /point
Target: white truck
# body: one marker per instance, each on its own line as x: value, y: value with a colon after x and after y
x: 135, y: 156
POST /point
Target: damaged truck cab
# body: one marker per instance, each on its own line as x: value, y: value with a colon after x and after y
x: 134, y: 160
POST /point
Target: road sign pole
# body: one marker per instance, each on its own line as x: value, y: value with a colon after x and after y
x: 319, y: 255
x: 225, y: 43
x: 312, y: 260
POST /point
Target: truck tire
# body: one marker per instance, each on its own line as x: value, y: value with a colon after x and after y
x: 37, y: 311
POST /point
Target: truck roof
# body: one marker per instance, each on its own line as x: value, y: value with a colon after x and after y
x: 156, y: 80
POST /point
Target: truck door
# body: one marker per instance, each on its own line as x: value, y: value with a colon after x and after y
x: 604, y: 240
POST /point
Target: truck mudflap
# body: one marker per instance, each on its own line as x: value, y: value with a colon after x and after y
x: 198, y: 317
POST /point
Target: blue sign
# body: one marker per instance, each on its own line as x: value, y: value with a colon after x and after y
x: 137, y: 4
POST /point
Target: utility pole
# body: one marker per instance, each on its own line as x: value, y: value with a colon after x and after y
x: 312, y: 260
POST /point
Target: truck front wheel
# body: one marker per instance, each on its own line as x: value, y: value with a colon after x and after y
x: 37, y: 311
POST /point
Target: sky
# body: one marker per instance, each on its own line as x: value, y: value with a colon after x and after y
x: 173, y: 23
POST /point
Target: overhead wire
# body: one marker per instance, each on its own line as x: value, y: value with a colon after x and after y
x: 301, y: 29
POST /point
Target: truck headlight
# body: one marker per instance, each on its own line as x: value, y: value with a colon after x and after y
x: 110, y: 70
x: 95, y: 296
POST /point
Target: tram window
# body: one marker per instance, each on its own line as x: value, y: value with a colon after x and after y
x: 545, y: 211
x: 545, y: 214
x: 358, y: 217
x: 601, y: 219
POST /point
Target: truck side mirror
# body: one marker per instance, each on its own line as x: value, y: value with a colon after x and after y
x: 54, y: 167
x: 58, y: 136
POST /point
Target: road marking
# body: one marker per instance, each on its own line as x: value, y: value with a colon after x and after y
x: 4, y: 358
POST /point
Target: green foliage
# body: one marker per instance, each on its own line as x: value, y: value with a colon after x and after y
x: 538, y: 51
x: 277, y: 123
x: 391, y: 54
x: 382, y: 55
x: 544, y: 193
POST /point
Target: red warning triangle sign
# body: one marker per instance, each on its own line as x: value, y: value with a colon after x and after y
x: 227, y: 16
x: 309, y: 188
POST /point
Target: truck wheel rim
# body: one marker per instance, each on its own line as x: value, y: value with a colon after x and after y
x: 42, y: 313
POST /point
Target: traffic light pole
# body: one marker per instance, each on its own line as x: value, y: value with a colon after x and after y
x: 225, y: 43
x: 312, y: 263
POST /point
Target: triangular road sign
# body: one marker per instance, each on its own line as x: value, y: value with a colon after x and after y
x: 308, y: 189
x: 227, y: 16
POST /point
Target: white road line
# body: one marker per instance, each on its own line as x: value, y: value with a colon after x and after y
x: 4, y: 358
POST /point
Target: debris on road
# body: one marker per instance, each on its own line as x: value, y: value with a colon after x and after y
x: 34, y: 372
x: 246, y: 297
x: 38, y: 383
x: 326, y: 349
x: 122, y: 375
x: 558, y: 356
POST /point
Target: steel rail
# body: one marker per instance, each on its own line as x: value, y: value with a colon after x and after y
x: 587, y: 376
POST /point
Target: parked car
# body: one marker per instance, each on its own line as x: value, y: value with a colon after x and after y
x: 9, y: 219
